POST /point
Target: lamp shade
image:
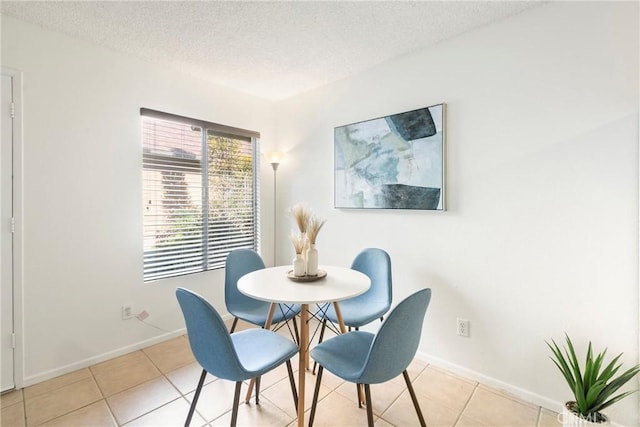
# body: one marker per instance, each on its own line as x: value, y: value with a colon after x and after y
x: 275, y: 157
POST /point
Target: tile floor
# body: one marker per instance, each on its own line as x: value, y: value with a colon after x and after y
x: 154, y: 387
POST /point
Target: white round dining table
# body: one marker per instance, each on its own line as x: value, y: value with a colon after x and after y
x: 273, y: 285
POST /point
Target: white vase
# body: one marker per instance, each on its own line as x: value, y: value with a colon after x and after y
x: 312, y: 261
x: 298, y: 266
x: 570, y: 419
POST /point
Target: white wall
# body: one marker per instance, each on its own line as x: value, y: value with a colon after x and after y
x: 541, y: 231
x: 82, y: 213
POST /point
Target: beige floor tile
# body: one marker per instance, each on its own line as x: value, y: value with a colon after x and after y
x: 141, y: 399
x: 186, y: 379
x: 280, y: 394
x: 549, y: 418
x: 124, y: 372
x: 415, y: 368
x: 446, y: 389
x: 382, y: 395
x: 266, y: 414
x: 56, y: 383
x: 11, y: 398
x: 47, y: 406
x: 382, y: 423
x: 507, y: 395
x: 276, y: 375
x: 349, y: 391
x: 466, y: 421
x: 216, y: 398
x: 170, y: 355
x: 337, y: 410
x: 403, y: 413
x: 96, y: 414
x: 490, y: 407
x: 12, y: 415
x: 137, y: 393
x: 171, y: 414
x: 329, y: 380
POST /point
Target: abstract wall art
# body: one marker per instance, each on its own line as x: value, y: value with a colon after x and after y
x: 392, y: 162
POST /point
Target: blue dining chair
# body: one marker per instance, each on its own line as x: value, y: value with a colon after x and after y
x: 365, y: 358
x: 373, y: 304
x: 236, y: 357
x: 240, y: 262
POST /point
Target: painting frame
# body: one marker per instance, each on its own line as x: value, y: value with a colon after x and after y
x: 393, y: 162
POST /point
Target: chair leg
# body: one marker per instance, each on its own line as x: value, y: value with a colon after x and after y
x: 367, y: 393
x: 295, y: 329
x: 324, y: 325
x: 258, y: 390
x: 233, y: 325
x: 359, y: 394
x: 312, y: 414
x: 413, y: 398
x: 195, y: 398
x: 293, y: 385
x: 236, y: 401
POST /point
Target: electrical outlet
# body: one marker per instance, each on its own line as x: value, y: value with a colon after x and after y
x: 127, y: 312
x: 463, y: 327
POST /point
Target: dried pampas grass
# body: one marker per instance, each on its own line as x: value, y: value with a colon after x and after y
x: 308, y: 224
x: 298, y: 243
x: 301, y: 215
x: 313, y: 228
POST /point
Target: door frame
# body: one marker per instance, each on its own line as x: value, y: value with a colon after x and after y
x: 18, y: 325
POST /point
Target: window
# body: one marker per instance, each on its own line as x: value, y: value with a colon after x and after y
x: 200, y: 193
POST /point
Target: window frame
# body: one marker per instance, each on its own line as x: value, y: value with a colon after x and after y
x: 207, y: 251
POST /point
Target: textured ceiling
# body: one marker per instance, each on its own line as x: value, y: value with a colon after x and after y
x: 273, y: 50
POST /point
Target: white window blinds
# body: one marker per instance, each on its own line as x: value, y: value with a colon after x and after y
x: 199, y: 193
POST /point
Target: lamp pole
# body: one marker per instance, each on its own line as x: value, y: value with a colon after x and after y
x: 274, y: 165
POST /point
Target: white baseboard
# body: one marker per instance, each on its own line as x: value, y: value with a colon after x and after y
x: 85, y: 363
x: 81, y: 364
x: 515, y: 391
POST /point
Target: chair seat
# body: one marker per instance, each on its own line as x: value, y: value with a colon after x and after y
x: 256, y: 313
x: 358, y: 312
x: 344, y: 355
x: 259, y: 350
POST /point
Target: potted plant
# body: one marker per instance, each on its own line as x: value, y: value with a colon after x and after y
x: 309, y: 226
x: 593, y: 387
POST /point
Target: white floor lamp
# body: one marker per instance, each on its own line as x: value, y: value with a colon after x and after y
x: 275, y: 158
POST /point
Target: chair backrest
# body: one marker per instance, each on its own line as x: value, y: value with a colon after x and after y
x: 396, y: 342
x: 208, y: 337
x: 239, y: 262
x: 376, y: 264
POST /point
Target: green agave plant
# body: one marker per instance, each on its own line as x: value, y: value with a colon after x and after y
x: 592, y: 387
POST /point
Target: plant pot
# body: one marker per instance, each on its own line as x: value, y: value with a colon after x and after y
x: 298, y: 266
x: 571, y: 419
x: 312, y: 260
